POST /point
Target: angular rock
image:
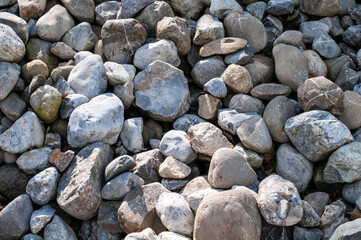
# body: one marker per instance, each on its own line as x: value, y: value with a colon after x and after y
x: 129, y: 8
x: 81, y: 37
x: 119, y: 73
x: 39, y: 49
x: 230, y: 119
x: 216, y: 87
x: 106, y: 11
x: 9, y: 76
x: 310, y: 217
x: 352, y: 36
x: 318, y: 201
x: 241, y: 57
x: 31, y: 9
x: 174, y: 169
x: 326, y: 46
x: 332, y: 217
x: 70, y: 102
x: 351, y: 113
x: 237, y: 78
x: 268, y: 91
x: 208, y: 29
x: 83, y: 10
x: 131, y: 134
x: 254, y: 159
x: 174, y: 185
x: 347, y: 78
x: 222, y: 46
x: 58, y: 229
x: 307, y: 233
x: 207, y: 69
x: 316, y: 66
x: 349, y: 230
x: 280, y: 7
x: 108, y: 216
x: 208, y: 106
x: 312, y: 29
x: 40, y: 218
x: 119, y: 165
x: 184, y: 122
x: 148, y: 164
x: 12, y: 48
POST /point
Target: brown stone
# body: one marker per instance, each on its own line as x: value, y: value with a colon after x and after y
x: 351, y: 115
x: 61, y: 160
x: 33, y: 68
x: 62, y: 71
x: 316, y: 66
x: 208, y: 106
x: 237, y: 78
x: 222, y: 46
x: 268, y: 91
x: 323, y: 8
x: 356, y: 213
x: 322, y: 94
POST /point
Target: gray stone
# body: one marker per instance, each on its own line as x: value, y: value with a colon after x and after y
x: 320, y: 8
x: 307, y: 234
x: 54, y: 24
x: 351, y: 192
x: 187, y: 8
x: 254, y: 159
x: 347, y: 78
x: 119, y: 165
x: 216, y: 87
x: 317, y: 133
x: 184, y: 122
x: 312, y: 29
x: 220, y: 8
x: 15, y: 218
x: 83, y: 10
x: 326, y: 46
x: 20, y: 27
x: 108, y: 216
x: 332, y: 217
x: 31, y: 236
x: 121, y: 185
x: 80, y: 56
x: 241, y: 57
x: 91, y: 230
x: 207, y: 69
x: 352, y: 36
x: 131, y: 134
x: 208, y: 29
x: 79, y: 189
x: 40, y: 218
x: 88, y: 77
x: 58, y: 229
x: 318, y: 201
x: 229, y: 119
x: 6, y: 3
x: 70, y: 102
x: 12, y: 182
x: 174, y: 169
x: 148, y: 164
x: 146, y: 234
x: 310, y: 217
x: 9, y: 75
x: 35, y: 160
x: 334, y: 24
x: 39, y: 49
x: 125, y: 93
x: 290, y: 37
x: 13, y: 106
x: 174, y: 185
x: 106, y: 11
x: 268, y: 91
x: 316, y: 66
x: 280, y: 7
x: 81, y: 37
x: 62, y: 86
x: 119, y: 73
x: 257, y: 9
x: 349, y: 230
x: 152, y: 93
x: 195, y: 199
x: 129, y: 8
x: 12, y: 48
x: 262, y: 69
x: 243, y: 103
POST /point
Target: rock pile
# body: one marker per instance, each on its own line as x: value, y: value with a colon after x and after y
x: 180, y: 119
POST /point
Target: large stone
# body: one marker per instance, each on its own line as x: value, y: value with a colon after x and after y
x: 107, y: 114
x: 322, y: 8
x: 326, y: 46
x: 188, y: 8
x: 121, y: 38
x: 106, y: 11
x: 79, y: 189
x: 222, y: 46
x: 40, y: 218
x: 279, y: 201
x: 205, y: 138
x: 173, y: 169
x: 9, y: 76
x: 243, y: 103
x: 27, y: 132
x: 129, y: 8
x: 351, y: 115
x: 54, y: 24
x: 344, y: 164
x: 237, y: 78
x: 291, y: 65
x: 58, y: 229
x: 12, y: 182
x: 206, y: 69
x: 332, y: 217
x: 220, y: 8
x: 39, y: 49
x: 81, y: 37
x: 228, y: 168
x: 12, y: 48
x: 15, y: 218
x: 228, y: 215
x: 246, y: 27
x: 153, y: 88
x: 88, y: 77
x: 208, y: 29
x: 137, y: 210
x: 31, y: 9
x: 83, y: 10
x: 18, y: 24
x: 316, y: 134
x: 349, y: 230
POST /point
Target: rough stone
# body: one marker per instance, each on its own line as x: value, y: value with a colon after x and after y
x: 108, y: 216
x: 229, y: 119
x: 262, y: 69
x: 184, y: 122
x: 312, y: 29
x: 81, y: 37
x: 310, y: 217
x: 125, y: 93
x: 290, y: 37
x: 40, y: 218
x: 208, y: 29
x: 31, y: 9
x: 148, y: 164
x: 106, y: 11
x: 12, y: 182
x: 188, y: 8
x: 349, y: 230
x: 39, y: 49
x: 146, y: 234
x: 352, y: 36
x: 119, y: 165
x: 9, y: 75
x: 129, y: 8
x: 332, y: 217
x: 207, y: 69
x: 318, y: 201
x: 280, y: 7
x: 119, y: 73
x: 13, y: 106
x: 58, y: 229
x: 241, y: 57
x: 171, y: 236
x: 12, y: 48
x: 208, y: 106
x: 307, y: 233
x: 347, y: 78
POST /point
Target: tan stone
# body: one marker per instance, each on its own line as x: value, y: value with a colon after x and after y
x: 33, y: 68
x: 62, y: 71
x: 323, y: 8
x: 316, y: 66
x: 208, y: 106
x: 268, y: 91
x: 356, y: 213
x: 237, y: 78
x: 351, y: 115
x: 173, y: 168
x: 222, y: 46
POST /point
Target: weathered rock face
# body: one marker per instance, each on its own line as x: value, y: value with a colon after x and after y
x: 9, y: 76
x: 121, y: 38
x: 349, y: 230
x: 79, y: 189
x: 20, y: 26
x: 83, y: 10
x: 12, y: 48
x: 321, y: 134
x: 57, y: 228
x: 161, y: 90
x: 227, y: 215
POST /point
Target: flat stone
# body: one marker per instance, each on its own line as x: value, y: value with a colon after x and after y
x: 119, y: 165
x: 79, y: 189
x: 243, y: 103
x: 208, y: 106
x: 207, y: 69
x: 208, y: 29
x: 268, y: 91
x: 12, y: 182
x: 187, y: 8
x: 318, y: 201
x: 279, y: 201
x: 83, y: 10
x: 57, y: 228
x: 19, y: 25
x: 216, y: 87
x: 312, y: 29
x: 13, y: 106
x: 326, y: 46
x: 174, y: 185
x: 174, y: 169
x: 108, y: 216
x: 129, y: 8
x: 40, y: 218
x: 316, y: 66
x: 152, y: 94
x: 332, y: 217
x: 222, y: 46
x: 237, y: 78
x: 70, y: 102
x: 351, y: 113
x: 119, y: 73
x: 12, y: 47
x: 317, y: 133
x: 81, y: 37
x: 320, y: 8
x: 107, y: 114
x: 106, y: 11
x: 9, y: 76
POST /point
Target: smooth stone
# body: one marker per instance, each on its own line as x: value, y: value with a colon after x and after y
x: 268, y: 91
x: 31, y: 236
x: 216, y: 87
x: 352, y: 36
x: 229, y: 119
x: 228, y: 168
x: 196, y: 184
x: 307, y: 233
x: 312, y: 29
x: 310, y: 217
x: 208, y: 29
x: 241, y: 57
x: 19, y: 25
x: 184, y: 122
x: 129, y: 8
x: 290, y: 37
x: 83, y: 10
x: 279, y: 201
x: 118, y: 166
x: 243, y: 103
x: 108, y: 216
x: 42, y: 187
x: 119, y: 73
x: 70, y: 103
x: 121, y: 185
x: 9, y: 76
x: 58, y: 229
x: 351, y: 113
x: 12, y: 182
x: 320, y: 8
x: 172, y: 236
x: 33, y: 68
x: 54, y: 24
x: 31, y: 9
x: 79, y: 188
x: 107, y: 114
x: 220, y: 8
x: 294, y: 167
x: 15, y: 218
x: 163, y: 50
x: 237, y: 78
x: 222, y: 46
x: 39, y: 49
x: 317, y: 133
x: 187, y: 8
x: 205, y: 138
x: 262, y: 69
x: 155, y: 84
x: 207, y: 69
x: 257, y: 9
x: 174, y: 169
x: 316, y: 66
x: 324, y: 45
x: 12, y: 47
x: 40, y: 218
x: 131, y: 134
x: 291, y: 65
x: 81, y: 37
x: 208, y: 106
x: 332, y: 217
x: 318, y: 201
x: 348, y: 230
x: 148, y: 165
x: 106, y: 11
x: 146, y: 234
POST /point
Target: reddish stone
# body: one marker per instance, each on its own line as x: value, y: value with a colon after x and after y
x: 61, y: 160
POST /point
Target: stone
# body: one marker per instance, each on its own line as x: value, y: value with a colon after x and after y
x: 310, y: 217
x: 290, y: 37
x: 257, y: 9
x: 15, y: 218
x: 229, y: 119
x: 107, y: 114
x: 18, y: 24
x: 131, y: 134
x: 148, y: 164
x: 163, y: 50
x: 351, y: 113
x: 326, y: 46
x: 222, y: 46
x: 196, y: 184
x: 35, y: 160
x: 174, y: 185
x: 42, y: 187
x: 58, y: 229
x: 9, y: 75
x: 129, y: 8
x: 237, y: 78
x: 33, y: 68
x: 171, y: 236
x: 108, y: 216
x: 188, y: 8
x: 348, y: 230
x: 31, y: 236
x: 332, y: 217
x: 268, y: 91
x: 39, y: 49
x: 254, y: 159
x: 207, y: 69
x: 176, y: 143
x: 279, y: 201
x: 154, y: 13
x: 334, y: 66
x: 320, y: 93
x: 119, y: 165
x: 243, y: 103
x: 184, y: 122
x: 54, y: 24
x: 119, y: 73
x: 80, y: 56
x: 291, y: 65
x: 246, y: 27
x: 254, y: 135
x: 205, y: 138
x: 323, y: 8
x: 228, y: 168
x: 12, y: 47
x: 347, y: 78
x: 262, y: 69
x: 52, y: 140
x: 121, y: 38
x: 125, y: 93
x: 175, y: 213
x: 174, y: 169
x: 220, y: 9
x: 216, y: 87
x: 334, y: 24
x: 177, y: 30
x: 208, y: 106
x: 62, y: 71
x: 88, y: 77
x: 152, y: 93
x: 316, y: 66
x: 70, y: 103
x: 318, y: 201
x: 83, y: 10
x: 308, y: 234
x: 13, y: 106
x: 351, y: 192
x: 106, y: 11
x: 31, y: 9
x: 79, y: 188
x: 355, y: 214
x: 317, y: 133
x: 137, y: 210
x: 312, y: 29
x: 270, y: 231
x: 282, y: 7
x: 12, y: 182
x: 146, y: 234
x: 195, y: 199
x: 81, y: 37
x: 117, y: 188
x: 226, y: 215
x: 40, y: 218
x: 241, y: 57
x: 208, y: 29
x: 352, y: 36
